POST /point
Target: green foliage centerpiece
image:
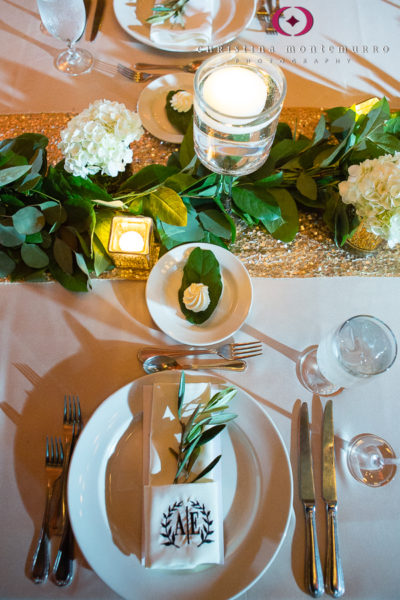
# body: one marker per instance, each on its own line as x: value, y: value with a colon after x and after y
x: 56, y: 220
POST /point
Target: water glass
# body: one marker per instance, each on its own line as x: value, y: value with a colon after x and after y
x: 66, y: 21
x: 362, y: 347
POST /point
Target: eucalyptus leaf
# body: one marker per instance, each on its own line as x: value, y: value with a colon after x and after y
x: 7, y: 264
x: 10, y: 237
x: 201, y: 267
x: 28, y: 220
x: 11, y: 174
x: 33, y: 256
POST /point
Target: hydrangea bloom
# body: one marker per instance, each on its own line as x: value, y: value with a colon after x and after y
x: 373, y: 187
x: 98, y: 139
x: 182, y: 101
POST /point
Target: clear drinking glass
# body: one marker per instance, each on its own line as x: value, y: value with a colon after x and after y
x: 66, y: 21
x: 238, y: 98
x: 360, y: 348
x: 371, y: 460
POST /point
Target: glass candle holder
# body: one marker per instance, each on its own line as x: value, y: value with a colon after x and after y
x: 131, y: 242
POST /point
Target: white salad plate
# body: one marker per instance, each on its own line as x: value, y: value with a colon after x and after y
x: 230, y: 313
x: 151, y: 105
x: 229, y: 19
x: 105, y: 489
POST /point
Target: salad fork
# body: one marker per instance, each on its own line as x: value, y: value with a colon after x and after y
x: 189, y: 68
x: 233, y: 351
x: 131, y: 74
x: 72, y: 425
x: 54, y: 463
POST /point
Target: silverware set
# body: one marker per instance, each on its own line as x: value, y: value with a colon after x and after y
x: 334, y: 581
x: 57, y: 461
x: 234, y: 354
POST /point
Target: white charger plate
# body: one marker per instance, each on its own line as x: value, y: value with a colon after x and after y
x: 151, y: 105
x: 105, y: 498
x: 232, y: 309
x: 229, y: 19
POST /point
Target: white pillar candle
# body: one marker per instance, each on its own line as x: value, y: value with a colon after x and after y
x: 235, y: 91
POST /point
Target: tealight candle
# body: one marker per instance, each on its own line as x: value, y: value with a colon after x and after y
x: 235, y: 91
x: 130, y: 241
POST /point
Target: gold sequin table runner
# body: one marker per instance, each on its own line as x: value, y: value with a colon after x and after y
x: 312, y: 253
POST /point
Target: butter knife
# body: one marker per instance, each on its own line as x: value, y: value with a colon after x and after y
x: 334, y: 582
x: 98, y: 16
x: 313, y: 570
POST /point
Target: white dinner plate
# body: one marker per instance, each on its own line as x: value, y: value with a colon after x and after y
x: 229, y: 19
x: 105, y: 498
x: 233, y: 307
x: 151, y: 105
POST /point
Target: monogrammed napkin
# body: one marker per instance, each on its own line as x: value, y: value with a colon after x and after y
x: 197, y: 30
x: 182, y: 523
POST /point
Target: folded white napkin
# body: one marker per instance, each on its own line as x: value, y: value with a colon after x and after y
x: 182, y: 523
x: 197, y: 31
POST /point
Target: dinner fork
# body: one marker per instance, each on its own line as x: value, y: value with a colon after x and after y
x: 233, y: 351
x: 131, y: 74
x: 189, y: 68
x: 72, y: 425
x: 54, y: 462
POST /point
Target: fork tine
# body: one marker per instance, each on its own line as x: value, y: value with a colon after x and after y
x: 246, y: 350
x: 246, y: 345
x: 245, y: 355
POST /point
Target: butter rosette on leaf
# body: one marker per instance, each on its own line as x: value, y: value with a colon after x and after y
x: 182, y: 522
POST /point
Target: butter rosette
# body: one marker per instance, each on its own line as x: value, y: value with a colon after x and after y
x: 197, y: 30
x: 182, y: 523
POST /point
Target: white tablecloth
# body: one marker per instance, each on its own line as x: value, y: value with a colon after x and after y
x: 55, y: 342
x: 349, y: 54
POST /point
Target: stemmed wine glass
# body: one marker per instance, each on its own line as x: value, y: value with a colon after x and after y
x: 361, y: 347
x: 238, y: 98
x: 66, y: 21
x: 371, y: 460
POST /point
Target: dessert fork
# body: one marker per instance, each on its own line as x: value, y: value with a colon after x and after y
x: 54, y: 462
x: 189, y: 68
x: 131, y: 74
x: 72, y: 425
x: 232, y: 351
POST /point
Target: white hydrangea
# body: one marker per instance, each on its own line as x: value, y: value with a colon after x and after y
x: 373, y: 187
x: 98, y: 139
x: 182, y: 101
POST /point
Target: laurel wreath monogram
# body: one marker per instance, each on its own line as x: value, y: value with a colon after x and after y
x: 205, y: 531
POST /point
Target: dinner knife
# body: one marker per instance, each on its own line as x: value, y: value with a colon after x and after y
x: 98, y: 16
x: 334, y: 581
x: 313, y: 571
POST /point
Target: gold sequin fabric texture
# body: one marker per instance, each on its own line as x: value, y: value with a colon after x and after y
x: 311, y: 254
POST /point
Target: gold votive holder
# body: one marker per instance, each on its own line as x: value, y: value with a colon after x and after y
x: 131, y: 244
x: 363, y: 242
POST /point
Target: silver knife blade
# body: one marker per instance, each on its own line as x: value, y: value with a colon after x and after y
x: 307, y: 492
x: 98, y: 16
x: 313, y: 571
x: 334, y: 580
x: 328, y: 457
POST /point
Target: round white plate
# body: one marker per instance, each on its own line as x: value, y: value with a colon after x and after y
x: 105, y: 498
x: 151, y: 105
x: 232, y: 309
x: 229, y: 19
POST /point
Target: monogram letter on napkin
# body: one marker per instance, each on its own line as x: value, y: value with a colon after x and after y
x: 197, y: 30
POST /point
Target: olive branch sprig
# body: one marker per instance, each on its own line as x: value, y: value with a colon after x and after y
x: 204, y: 423
x: 172, y: 10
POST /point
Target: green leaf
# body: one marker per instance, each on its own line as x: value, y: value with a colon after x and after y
x: 307, y: 186
x: 13, y: 174
x: 7, y: 264
x: 10, y: 237
x: 28, y: 220
x: 186, y: 151
x: 33, y: 256
x: 101, y: 261
x: 147, y: 178
x: 168, y: 206
x: 81, y: 262
x: 179, y: 120
x: 77, y: 282
x: 257, y: 203
x: 63, y: 255
x: 180, y: 182
x: 172, y: 235
x: 392, y: 126
x: 289, y: 229
x: 181, y: 393
x: 103, y: 226
x: 216, y: 222
x: 209, y: 434
x: 201, y: 267
x: 208, y: 468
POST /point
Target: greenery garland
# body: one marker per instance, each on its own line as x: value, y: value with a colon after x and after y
x: 52, y: 222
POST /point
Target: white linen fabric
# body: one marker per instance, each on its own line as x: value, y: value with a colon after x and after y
x: 182, y: 523
x: 197, y: 30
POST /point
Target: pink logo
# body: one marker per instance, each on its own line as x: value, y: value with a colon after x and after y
x: 292, y: 20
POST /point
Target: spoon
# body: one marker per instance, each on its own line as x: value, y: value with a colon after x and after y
x: 189, y: 68
x: 167, y: 363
